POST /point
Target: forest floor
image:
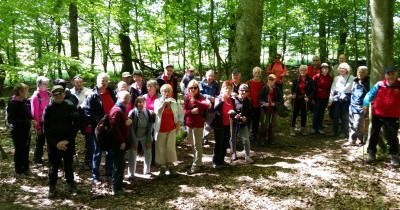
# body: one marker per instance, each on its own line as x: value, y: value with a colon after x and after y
x: 302, y: 172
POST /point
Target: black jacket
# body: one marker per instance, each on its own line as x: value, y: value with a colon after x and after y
x: 244, y: 108
x: 277, y: 97
x: 161, y: 81
x: 309, y: 88
x: 93, y: 106
x: 60, y: 123
x: 19, y: 115
x: 217, y: 123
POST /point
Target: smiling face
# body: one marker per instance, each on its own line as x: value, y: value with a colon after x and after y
x: 44, y: 86
x: 391, y: 77
x: 226, y: 91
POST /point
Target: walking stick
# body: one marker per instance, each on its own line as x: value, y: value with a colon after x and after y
x: 230, y: 140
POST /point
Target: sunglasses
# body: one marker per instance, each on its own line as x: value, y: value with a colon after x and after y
x: 193, y: 88
x: 244, y: 90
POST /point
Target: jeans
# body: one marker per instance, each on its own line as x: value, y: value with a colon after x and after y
x: 118, y: 159
x: 222, y: 136
x: 195, y: 137
x: 97, y: 160
x: 132, y: 154
x: 341, y: 110
x: 319, y: 112
x: 390, y: 128
x: 243, y: 132
x: 356, y: 126
x: 88, y: 150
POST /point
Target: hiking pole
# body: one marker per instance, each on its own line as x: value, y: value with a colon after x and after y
x: 231, y: 139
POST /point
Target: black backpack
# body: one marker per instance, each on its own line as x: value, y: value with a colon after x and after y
x: 103, y: 133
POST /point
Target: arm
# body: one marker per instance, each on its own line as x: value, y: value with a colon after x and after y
x: 331, y: 95
x: 116, y: 121
x: 371, y: 95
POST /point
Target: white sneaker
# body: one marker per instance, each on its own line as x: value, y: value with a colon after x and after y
x: 248, y: 159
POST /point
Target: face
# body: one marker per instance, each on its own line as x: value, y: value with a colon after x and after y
x: 257, y: 74
x: 140, y: 104
x: 236, y: 77
x: 44, y: 86
x: 271, y: 81
x: 23, y: 93
x: 137, y: 78
x: 391, y: 77
x: 58, y: 97
x: 103, y: 83
x: 210, y: 78
x: 316, y: 61
x: 324, y: 71
x: 78, y: 83
x: 302, y: 71
x: 151, y: 90
x: 125, y: 101
x: 169, y: 71
x: 226, y: 91
x: 343, y: 71
x: 126, y: 79
x: 124, y: 86
x: 193, y: 89
x: 361, y: 74
x: 243, y: 93
x: 277, y: 58
x: 342, y: 58
x: 166, y: 93
x: 190, y: 72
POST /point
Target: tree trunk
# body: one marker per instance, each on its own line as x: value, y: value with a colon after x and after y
x: 213, y: 38
x: 198, y: 39
x: 2, y: 75
x: 322, y: 32
x: 343, y: 32
x: 382, y: 37
x: 59, y: 47
x: 125, y: 40
x: 93, y: 46
x: 139, y: 50
x: 367, y: 41
x: 356, y: 54
x: 73, y: 36
x: 247, y: 50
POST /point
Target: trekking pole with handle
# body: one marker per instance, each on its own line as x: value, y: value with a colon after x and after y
x: 231, y: 139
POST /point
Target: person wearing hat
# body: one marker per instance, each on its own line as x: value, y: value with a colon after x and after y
x: 60, y: 120
x: 189, y: 75
x: 126, y: 77
x: 322, y: 82
x: 270, y: 96
x: 68, y: 95
x: 138, y: 88
x: 385, y: 112
x: 168, y: 77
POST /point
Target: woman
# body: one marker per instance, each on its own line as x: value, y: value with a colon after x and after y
x: 302, y: 91
x: 195, y: 108
x: 223, y: 107
x: 19, y: 118
x: 323, y: 82
x: 150, y: 97
x: 169, y: 118
x: 255, y: 86
x: 339, y: 98
x: 138, y: 88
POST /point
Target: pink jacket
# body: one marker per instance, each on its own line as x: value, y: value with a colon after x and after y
x: 39, y: 101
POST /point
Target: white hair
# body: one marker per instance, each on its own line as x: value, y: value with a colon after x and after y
x: 101, y: 76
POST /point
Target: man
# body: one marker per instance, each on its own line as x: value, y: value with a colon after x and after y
x: 120, y: 127
x: 335, y: 69
x: 68, y: 95
x: 60, y: 127
x: 279, y: 70
x: 126, y: 77
x: 236, y: 82
x: 315, y: 67
x: 96, y: 105
x: 168, y: 77
x: 385, y: 112
x: 81, y: 93
x: 209, y: 88
x: 189, y: 75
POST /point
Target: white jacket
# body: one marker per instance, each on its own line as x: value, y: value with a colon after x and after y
x: 159, y: 109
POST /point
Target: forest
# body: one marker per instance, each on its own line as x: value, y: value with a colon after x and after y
x: 61, y: 38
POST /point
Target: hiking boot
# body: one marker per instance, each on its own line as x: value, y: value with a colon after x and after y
x: 304, y: 131
x: 234, y: 156
x: 72, y: 188
x: 52, y: 192
x: 292, y: 133
x: 172, y: 172
x: 349, y: 143
x: 162, y: 172
x: 248, y: 159
x: 322, y: 132
x: 394, y: 160
x: 193, y: 170
x: 371, y: 157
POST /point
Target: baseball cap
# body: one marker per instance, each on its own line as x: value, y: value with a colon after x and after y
x: 57, y: 90
x: 138, y: 73
x: 390, y: 69
x: 126, y: 74
x: 169, y: 65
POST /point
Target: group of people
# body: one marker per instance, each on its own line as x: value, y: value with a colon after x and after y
x: 148, y: 113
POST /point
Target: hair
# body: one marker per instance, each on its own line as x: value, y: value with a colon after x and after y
x: 41, y: 79
x: 278, y: 54
x: 61, y: 82
x: 139, y: 99
x: 166, y: 87
x: 346, y: 66
x: 316, y: 57
x: 121, y: 94
x: 119, y: 85
x: 302, y: 67
x: 192, y: 83
x: 209, y: 72
x: 243, y: 86
x: 152, y: 83
x: 226, y: 83
x: 362, y: 68
x: 101, y: 76
x: 77, y: 77
x: 19, y: 87
x: 255, y: 69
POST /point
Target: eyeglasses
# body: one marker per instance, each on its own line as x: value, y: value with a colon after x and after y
x: 193, y: 88
x: 244, y: 90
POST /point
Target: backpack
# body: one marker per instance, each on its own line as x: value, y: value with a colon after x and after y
x: 103, y: 132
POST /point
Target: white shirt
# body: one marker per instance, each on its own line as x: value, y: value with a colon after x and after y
x: 81, y: 95
x: 341, y: 86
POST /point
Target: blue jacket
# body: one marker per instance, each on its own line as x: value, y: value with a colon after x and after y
x: 358, y: 92
x: 209, y: 91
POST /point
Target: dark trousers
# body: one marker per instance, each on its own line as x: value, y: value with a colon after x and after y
x: 255, y: 121
x: 88, y: 150
x: 299, y: 107
x: 390, y: 128
x: 268, y: 123
x: 118, y: 159
x: 97, y: 159
x: 341, y: 111
x: 21, y: 140
x: 222, y: 136
x: 40, y: 141
x: 55, y: 158
x: 318, y: 114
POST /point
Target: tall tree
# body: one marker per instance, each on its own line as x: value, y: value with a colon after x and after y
x: 382, y: 13
x: 73, y: 35
x: 322, y: 31
x: 125, y: 40
x: 247, y: 50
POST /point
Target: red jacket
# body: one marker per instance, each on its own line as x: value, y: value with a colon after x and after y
x: 311, y: 72
x: 195, y: 120
x: 255, y: 89
x: 118, y: 117
x: 322, y: 86
x: 387, y: 101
